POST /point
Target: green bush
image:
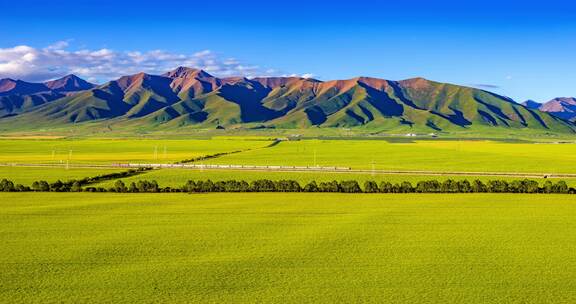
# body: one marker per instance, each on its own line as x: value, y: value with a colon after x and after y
x: 265, y: 185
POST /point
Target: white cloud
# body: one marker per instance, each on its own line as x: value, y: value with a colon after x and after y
x: 58, y: 45
x: 56, y: 60
x: 305, y: 75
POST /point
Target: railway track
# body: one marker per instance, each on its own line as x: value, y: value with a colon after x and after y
x: 342, y: 170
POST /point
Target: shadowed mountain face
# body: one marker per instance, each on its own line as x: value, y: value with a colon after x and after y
x: 562, y: 107
x: 18, y: 96
x: 70, y: 83
x: 531, y: 104
x: 190, y: 97
x: 18, y: 87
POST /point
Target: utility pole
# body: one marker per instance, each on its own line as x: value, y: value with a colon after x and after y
x: 315, y: 158
x: 458, y: 151
x: 69, y: 158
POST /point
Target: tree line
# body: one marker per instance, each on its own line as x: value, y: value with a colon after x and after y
x: 68, y: 186
x: 265, y: 185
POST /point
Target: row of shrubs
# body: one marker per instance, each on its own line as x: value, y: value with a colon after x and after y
x: 206, y: 157
x: 69, y: 186
x: 352, y: 186
x: 264, y: 185
x: 211, y: 156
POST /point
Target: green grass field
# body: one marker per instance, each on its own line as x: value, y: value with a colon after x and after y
x: 117, y: 150
x: 296, y: 248
x: 391, y: 154
x: 431, y: 155
x: 28, y: 175
x: 178, y: 177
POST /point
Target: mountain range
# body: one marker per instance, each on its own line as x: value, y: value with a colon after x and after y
x: 563, y: 107
x: 17, y: 96
x: 186, y: 97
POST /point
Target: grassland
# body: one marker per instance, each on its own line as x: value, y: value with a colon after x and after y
x: 294, y: 248
x: 391, y: 154
x: 28, y: 175
x: 428, y: 155
x: 178, y: 177
x: 116, y: 150
x: 432, y: 155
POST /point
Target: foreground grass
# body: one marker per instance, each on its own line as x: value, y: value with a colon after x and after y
x: 287, y: 248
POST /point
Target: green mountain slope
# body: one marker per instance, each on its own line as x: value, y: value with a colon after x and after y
x: 193, y: 98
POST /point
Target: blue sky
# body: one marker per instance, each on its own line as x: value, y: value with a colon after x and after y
x: 520, y: 49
